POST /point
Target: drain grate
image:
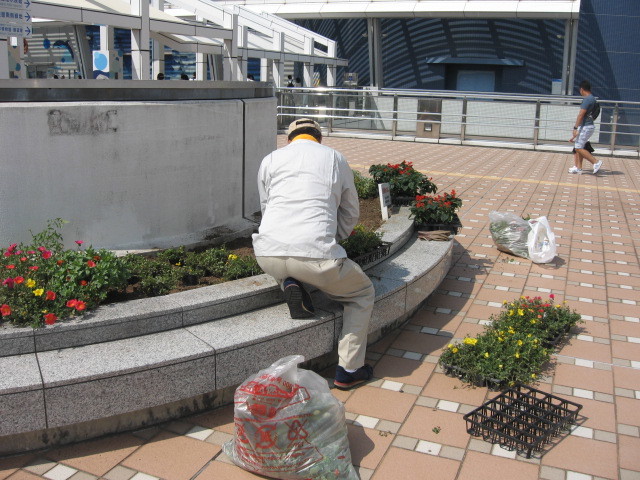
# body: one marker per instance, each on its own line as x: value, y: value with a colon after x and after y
x: 522, y: 419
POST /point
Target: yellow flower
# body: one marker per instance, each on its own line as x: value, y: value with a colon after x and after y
x: 38, y: 292
x: 450, y: 345
x: 500, y: 339
x: 528, y: 335
x: 511, y: 313
x: 517, y: 355
x: 533, y: 322
x: 232, y: 257
x: 533, y: 375
x: 486, y: 354
x: 500, y: 366
x: 30, y: 283
x: 454, y: 350
x: 520, y: 312
x: 535, y: 341
x: 470, y: 341
x: 178, y: 264
x: 519, y: 342
x: 511, y: 331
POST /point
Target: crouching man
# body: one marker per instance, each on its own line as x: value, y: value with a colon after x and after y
x: 309, y: 203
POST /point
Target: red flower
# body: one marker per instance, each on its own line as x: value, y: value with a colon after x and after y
x: 34, y: 268
x: 19, y: 280
x: 50, y: 295
x: 46, y: 254
x: 83, y: 282
x: 50, y: 318
x: 23, y: 259
x: 552, y: 296
x: 60, y: 262
x: 12, y: 247
x: 72, y: 303
x: 79, y: 242
x: 7, y: 254
x: 81, y: 305
x: 30, y: 252
x: 97, y: 258
x: 8, y: 282
x: 91, y: 263
x: 41, y: 249
x: 5, y: 310
x: 11, y: 267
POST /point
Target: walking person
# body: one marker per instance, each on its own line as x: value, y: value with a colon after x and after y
x: 309, y: 203
x: 583, y: 129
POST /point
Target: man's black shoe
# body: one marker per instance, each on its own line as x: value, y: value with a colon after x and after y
x: 298, y: 299
x: 345, y: 380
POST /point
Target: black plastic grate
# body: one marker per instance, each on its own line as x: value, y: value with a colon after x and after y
x: 380, y: 252
x: 522, y: 419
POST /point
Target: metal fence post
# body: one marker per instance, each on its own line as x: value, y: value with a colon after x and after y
x: 536, y: 125
x: 394, y: 123
x: 614, y: 127
x: 463, y: 125
x: 331, y: 110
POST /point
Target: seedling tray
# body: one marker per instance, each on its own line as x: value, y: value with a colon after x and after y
x: 380, y: 252
x: 522, y: 419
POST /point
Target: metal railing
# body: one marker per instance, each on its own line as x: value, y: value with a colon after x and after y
x: 465, y: 117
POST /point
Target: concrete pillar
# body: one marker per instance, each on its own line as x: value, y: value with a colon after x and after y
x: 331, y: 69
x: 230, y: 65
x: 307, y: 69
x: 278, y: 73
x: 264, y: 69
x: 106, y: 37
x: 572, y: 57
x: 374, y: 35
x: 157, y: 48
x: 140, y: 54
x: 4, y: 58
x: 201, y: 66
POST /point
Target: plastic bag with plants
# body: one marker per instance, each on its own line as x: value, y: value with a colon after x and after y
x: 510, y: 233
x: 288, y: 425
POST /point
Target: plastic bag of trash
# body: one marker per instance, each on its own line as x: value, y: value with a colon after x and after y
x: 288, y: 425
x: 510, y: 233
x: 541, y: 241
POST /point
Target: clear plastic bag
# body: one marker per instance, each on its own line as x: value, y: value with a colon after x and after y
x: 510, y: 233
x: 541, y: 241
x: 288, y: 425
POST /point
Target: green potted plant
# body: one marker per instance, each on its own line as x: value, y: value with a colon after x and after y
x: 405, y: 182
x: 364, y: 246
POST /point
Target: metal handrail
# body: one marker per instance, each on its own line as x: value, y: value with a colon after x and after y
x: 616, y: 127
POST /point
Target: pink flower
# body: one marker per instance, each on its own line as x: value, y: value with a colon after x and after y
x: 79, y: 242
x: 34, y: 268
x: 50, y: 318
x: 7, y: 253
x: 8, y: 282
x: 46, y: 254
x: 12, y: 247
x: 91, y: 263
x: 552, y: 296
x: 23, y: 259
x: 30, y: 252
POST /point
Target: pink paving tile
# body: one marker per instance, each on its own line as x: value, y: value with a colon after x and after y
x: 585, y: 378
x: 480, y: 466
x: 629, y: 449
x: 598, y: 415
x: 586, y: 278
x: 626, y: 350
x: 384, y: 343
x: 404, y: 464
x: 224, y: 471
x: 451, y: 427
x: 376, y: 402
x: 459, y: 286
x: 626, y: 378
x: 551, y: 283
x: 623, y: 309
x: 368, y: 446
x: 628, y: 411
x: 172, y: 457
x: 597, y: 352
x: 469, y: 330
x: 403, y: 370
x: 10, y: 465
x: 584, y: 455
x: 450, y: 302
x: 420, y: 342
x: 449, y: 388
x: 98, y: 456
x: 219, y: 419
x: 628, y: 329
x: 592, y: 328
x: 483, y: 312
x: 586, y: 292
x: 442, y: 321
x: 24, y: 475
x: 623, y: 293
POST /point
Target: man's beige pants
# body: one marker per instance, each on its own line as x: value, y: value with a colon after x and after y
x: 341, y: 280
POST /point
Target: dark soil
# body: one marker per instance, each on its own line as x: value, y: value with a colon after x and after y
x: 370, y: 216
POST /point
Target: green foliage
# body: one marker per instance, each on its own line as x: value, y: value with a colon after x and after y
x: 362, y: 240
x: 403, y: 179
x: 365, y: 186
x: 515, y: 347
x: 241, y: 267
x: 157, y: 277
x: 440, y: 209
x: 212, y: 261
x: 174, y: 256
x: 42, y: 283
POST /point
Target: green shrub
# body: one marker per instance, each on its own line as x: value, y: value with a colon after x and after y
x: 212, y: 261
x: 403, y: 179
x: 158, y: 277
x: 241, y: 267
x: 362, y: 240
x: 365, y: 186
x: 175, y: 256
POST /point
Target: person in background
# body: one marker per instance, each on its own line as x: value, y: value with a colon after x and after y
x: 160, y: 76
x: 309, y: 203
x: 582, y: 131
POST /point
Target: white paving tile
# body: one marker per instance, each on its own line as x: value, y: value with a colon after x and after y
x: 502, y: 452
x: 60, y: 472
x: 448, y: 406
x: 199, y: 433
x: 412, y: 355
x: 364, y: 421
x: 391, y: 385
x: 582, y: 432
x: 581, y: 362
x: 429, y: 330
x: 577, y: 476
x: 579, y: 392
x: 494, y: 304
x: 430, y: 448
x: 143, y: 476
x: 586, y: 338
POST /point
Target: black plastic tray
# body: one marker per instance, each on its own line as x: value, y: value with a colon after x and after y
x: 380, y: 252
x: 522, y: 419
x: 452, y: 227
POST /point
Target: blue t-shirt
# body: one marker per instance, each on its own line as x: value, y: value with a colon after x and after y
x: 587, y: 104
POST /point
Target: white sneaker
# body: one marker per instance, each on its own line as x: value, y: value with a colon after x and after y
x: 596, y: 166
x: 575, y: 169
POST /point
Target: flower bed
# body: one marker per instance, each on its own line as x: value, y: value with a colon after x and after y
x: 514, y: 348
x: 437, y: 210
x: 403, y: 179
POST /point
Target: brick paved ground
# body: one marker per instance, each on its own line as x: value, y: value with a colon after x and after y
x: 392, y: 420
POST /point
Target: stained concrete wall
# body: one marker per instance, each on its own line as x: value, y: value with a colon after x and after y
x: 131, y: 174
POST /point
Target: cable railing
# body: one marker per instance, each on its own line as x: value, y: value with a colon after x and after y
x: 542, y: 121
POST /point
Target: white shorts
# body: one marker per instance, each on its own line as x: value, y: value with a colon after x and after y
x: 584, y: 134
